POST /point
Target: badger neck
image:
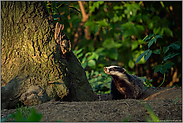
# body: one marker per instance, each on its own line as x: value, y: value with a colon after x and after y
x: 121, y: 77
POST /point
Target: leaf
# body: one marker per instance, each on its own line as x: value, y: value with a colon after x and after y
x: 170, y: 56
x: 165, y: 49
x: 91, y: 63
x: 134, y: 45
x: 167, y: 57
x: 88, y: 53
x: 56, y: 15
x: 168, y: 32
x: 84, y: 59
x: 95, y: 5
x: 109, y: 43
x: 157, y: 68
x: 175, y: 54
x: 80, y: 55
x: 127, y: 119
x: 18, y: 116
x: 156, y: 30
x: 127, y: 25
x: 84, y: 65
x: 135, y: 56
x: 150, y: 111
x: 89, y: 23
x: 138, y: 59
x: 102, y: 23
x: 113, y: 53
x: 75, y: 9
x: 34, y: 117
x: 94, y: 28
x: 148, y: 37
x: 129, y: 32
x: 156, y: 51
x: 93, y: 56
x: 140, y: 28
x: 151, y: 42
x: 168, y: 65
x: 115, y: 18
x: 174, y: 46
x: 158, y: 36
x: 118, y: 7
x: 150, y: 25
x: 78, y: 51
x: 148, y: 55
x: 163, y: 70
x: 99, y: 50
x: 131, y: 64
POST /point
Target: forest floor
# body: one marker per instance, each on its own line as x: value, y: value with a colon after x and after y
x: 165, y: 102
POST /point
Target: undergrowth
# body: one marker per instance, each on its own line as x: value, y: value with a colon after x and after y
x: 24, y: 114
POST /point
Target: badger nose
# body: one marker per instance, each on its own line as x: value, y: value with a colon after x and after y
x: 105, y: 69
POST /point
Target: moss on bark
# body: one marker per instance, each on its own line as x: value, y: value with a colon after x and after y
x: 29, y: 52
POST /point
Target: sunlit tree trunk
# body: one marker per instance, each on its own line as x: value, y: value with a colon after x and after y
x: 30, y: 57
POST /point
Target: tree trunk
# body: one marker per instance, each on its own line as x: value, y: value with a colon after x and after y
x: 32, y: 68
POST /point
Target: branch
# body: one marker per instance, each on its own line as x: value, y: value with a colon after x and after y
x: 79, y: 30
x: 85, y: 16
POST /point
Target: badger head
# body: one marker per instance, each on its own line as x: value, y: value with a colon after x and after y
x: 114, y: 70
x: 117, y: 73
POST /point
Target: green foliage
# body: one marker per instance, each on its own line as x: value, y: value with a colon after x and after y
x: 32, y: 116
x: 162, y: 68
x: 60, y: 10
x: 147, y: 83
x: 24, y: 110
x: 175, y: 100
x: 24, y: 114
x: 88, y: 59
x: 165, y: 64
x: 151, y: 113
x: 117, y: 30
x: 127, y: 119
x: 99, y: 81
x: 59, y: 121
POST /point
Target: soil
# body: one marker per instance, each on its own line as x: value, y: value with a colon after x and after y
x: 165, y: 102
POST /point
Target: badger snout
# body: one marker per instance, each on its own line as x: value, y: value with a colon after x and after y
x: 106, y: 70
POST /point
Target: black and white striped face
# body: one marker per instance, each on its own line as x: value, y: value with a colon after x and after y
x: 114, y: 70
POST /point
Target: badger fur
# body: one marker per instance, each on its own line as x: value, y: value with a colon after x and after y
x: 124, y: 85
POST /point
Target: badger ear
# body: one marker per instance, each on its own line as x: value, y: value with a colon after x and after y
x: 124, y: 70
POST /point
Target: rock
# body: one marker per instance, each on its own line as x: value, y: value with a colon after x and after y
x: 35, y: 95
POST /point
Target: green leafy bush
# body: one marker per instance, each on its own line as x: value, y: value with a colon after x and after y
x: 24, y: 114
x: 99, y: 81
x: 163, y: 51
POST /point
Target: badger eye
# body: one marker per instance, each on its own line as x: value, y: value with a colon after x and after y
x: 111, y: 69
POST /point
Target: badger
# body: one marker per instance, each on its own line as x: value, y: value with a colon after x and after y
x: 124, y: 85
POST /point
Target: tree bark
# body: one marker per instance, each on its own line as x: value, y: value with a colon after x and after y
x: 32, y: 68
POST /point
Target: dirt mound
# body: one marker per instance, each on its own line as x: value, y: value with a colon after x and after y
x: 165, y: 102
